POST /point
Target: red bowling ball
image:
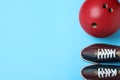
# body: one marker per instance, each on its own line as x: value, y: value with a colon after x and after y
x: 100, y: 18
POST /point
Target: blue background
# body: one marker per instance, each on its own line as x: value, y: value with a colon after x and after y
x: 42, y: 40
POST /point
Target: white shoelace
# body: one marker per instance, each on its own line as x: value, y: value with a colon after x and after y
x: 106, y: 53
x: 104, y: 72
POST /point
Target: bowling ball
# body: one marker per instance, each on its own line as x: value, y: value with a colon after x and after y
x: 100, y: 18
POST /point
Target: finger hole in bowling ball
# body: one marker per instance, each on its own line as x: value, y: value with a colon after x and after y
x: 110, y: 10
x: 105, y: 6
x: 94, y: 25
